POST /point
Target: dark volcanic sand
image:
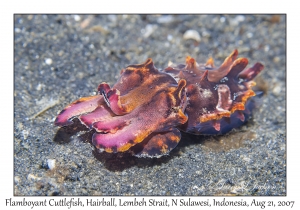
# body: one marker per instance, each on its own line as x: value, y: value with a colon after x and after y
x: 60, y: 58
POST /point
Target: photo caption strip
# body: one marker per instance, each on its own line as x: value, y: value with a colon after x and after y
x: 163, y: 202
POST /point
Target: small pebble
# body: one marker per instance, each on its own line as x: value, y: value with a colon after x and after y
x: 25, y: 134
x: 170, y: 37
x: 48, y: 61
x: 240, y: 18
x: 148, y: 30
x: 205, y: 34
x: 165, y: 19
x: 17, y: 30
x: 32, y: 176
x: 235, y: 21
x: 276, y: 59
x: 17, y: 179
x: 195, y: 187
x: 249, y: 35
x: 77, y: 18
x: 39, y: 86
x: 112, y: 18
x: 276, y: 90
x: 267, y: 48
x: 51, y: 163
x: 222, y: 19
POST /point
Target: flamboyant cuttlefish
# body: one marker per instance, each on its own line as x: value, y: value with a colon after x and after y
x: 148, y: 108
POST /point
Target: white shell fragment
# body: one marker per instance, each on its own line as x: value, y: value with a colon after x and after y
x: 192, y: 34
x: 51, y: 163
